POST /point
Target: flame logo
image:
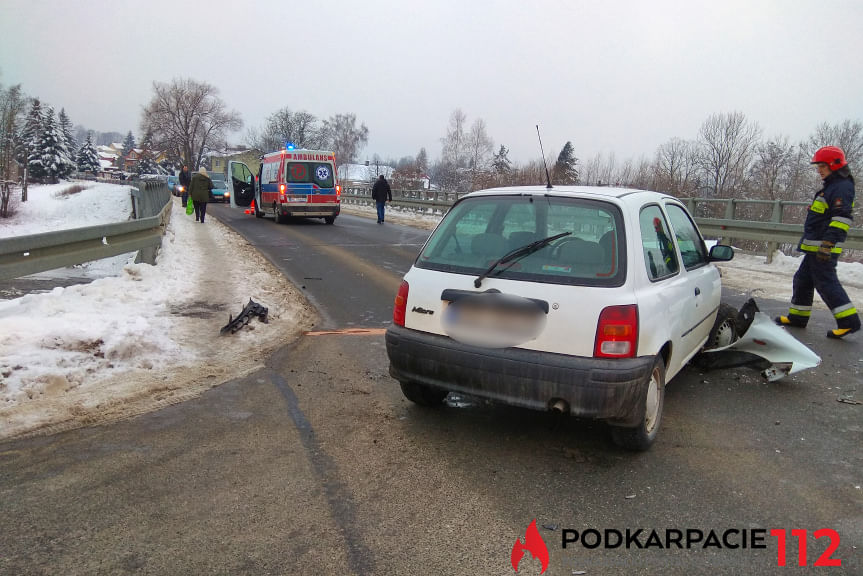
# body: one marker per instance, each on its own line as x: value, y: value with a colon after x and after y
x: 534, y: 544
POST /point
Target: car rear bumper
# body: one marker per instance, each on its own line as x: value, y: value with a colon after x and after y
x: 593, y: 387
x: 310, y: 210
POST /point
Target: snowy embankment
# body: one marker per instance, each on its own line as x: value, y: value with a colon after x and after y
x: 145, y: 337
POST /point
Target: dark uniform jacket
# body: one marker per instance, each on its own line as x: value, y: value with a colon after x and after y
x: 829, y: 216
x: 200, y: 187
x: 185, y: 179
x: 381, y: 191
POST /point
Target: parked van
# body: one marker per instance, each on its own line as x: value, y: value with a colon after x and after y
x: 290, y: 183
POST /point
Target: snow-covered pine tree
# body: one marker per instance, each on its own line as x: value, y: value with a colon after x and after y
x: 501, y: 163
x: 565, y: 171
x: 146, y: 165
x: 31, y: 134
x: 69, y: 144
x: 88, y: 158
x: 128, y: 144
x: 52, y: 148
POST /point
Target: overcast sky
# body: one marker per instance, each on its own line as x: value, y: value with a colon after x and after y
x: 620, y: 77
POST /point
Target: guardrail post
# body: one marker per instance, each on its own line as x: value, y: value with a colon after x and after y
x: 729, y: 215
x: 776, y: 216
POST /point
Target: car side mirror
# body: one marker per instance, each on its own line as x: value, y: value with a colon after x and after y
x: 721, y: 253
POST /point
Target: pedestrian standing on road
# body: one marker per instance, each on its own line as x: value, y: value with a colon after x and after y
x: 824, y: 231
x: 382, y: 194
x: 185, y: 181
x: 199, y: 190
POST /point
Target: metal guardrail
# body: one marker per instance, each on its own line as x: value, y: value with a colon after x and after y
x: 23, y: 255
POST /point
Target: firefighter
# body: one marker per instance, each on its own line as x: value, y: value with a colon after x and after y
x: 824, y: 231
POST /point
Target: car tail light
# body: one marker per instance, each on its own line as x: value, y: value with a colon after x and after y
x: 401, y: 304
x: 617, y: 332
x: 338, y: 190
x: 282, y: 192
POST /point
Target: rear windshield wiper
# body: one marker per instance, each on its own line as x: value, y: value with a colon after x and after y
x: 513, y: 255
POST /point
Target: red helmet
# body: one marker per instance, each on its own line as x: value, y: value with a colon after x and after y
x: 833, y: 156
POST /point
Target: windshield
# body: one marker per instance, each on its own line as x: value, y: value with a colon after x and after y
x: 318, y: 173
x: 478, y: 231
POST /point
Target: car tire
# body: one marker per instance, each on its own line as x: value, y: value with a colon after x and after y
x: 724, y: 331
x: 258, y: 213
x: 422, y: 394
x: 640, y: 438
x: 329, y: 219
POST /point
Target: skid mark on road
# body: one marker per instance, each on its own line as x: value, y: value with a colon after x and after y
x: 342, y: 507
x: 349, y: 332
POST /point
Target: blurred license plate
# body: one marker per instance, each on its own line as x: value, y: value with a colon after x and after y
x: 492, y: 322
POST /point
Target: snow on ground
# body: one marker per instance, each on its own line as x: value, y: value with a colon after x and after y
x: 144, y: 338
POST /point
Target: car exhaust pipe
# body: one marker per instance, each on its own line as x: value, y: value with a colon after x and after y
x: 559, y: 406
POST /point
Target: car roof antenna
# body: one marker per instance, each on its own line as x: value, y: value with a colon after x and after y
x: 547, y: 177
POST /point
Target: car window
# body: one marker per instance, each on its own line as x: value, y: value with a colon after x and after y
x: 692, y: 248
x: 479, y: 230
x: 660, y: 257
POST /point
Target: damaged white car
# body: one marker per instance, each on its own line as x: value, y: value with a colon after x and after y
x: 580, y: 300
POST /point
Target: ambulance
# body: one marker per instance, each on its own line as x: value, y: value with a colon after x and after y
x: 290, y: 182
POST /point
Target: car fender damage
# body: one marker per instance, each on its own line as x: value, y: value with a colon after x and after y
x: 761, y: 344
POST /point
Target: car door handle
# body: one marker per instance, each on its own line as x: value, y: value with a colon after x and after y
x: 697, y: 291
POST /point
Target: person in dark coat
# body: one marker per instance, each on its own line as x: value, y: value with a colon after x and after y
x: 382, y: 194
x: 185, y: 181
x: 199, y: 190
x: 825, y: 229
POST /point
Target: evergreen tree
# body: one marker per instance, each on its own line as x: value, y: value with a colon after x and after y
x: 69, y: 144
x: 501, y: 162
x: 128, y: 144
x: 88, y: 158
x: 51, y: 148
x: 31, y: 133
x: 146, y: 165
x: 565, y: 171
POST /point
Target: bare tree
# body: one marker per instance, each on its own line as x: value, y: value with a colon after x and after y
x: 773, y: 168
x: 342, y: 135
x: 479, y: 149
x: 847, y: 135
x: 727, y: 143
x: 188, y: 117
x: 676, y: 167
x: 301, y: 128
x: 454, y: 143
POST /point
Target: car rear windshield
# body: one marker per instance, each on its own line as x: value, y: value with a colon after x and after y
x: 477, y: 231
x: 320, y: 173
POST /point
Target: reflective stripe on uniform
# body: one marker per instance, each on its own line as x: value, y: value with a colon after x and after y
x: 799, y: 312
x: 819, y: 206
x: 814, y: 245
x: 844, y: 311
x: 841, y: 223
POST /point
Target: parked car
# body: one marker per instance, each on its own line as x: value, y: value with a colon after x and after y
x: 580, y: 300
x: 174, y: 185
x: 220, y: 192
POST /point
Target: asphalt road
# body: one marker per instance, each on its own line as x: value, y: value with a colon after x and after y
x: 317, y: 464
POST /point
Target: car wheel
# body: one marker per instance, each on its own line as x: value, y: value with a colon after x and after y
x: 258, y: 213
x: 724, y: 331
x: 329, y: 219
x: 641, y: 437
x: 422, y: 394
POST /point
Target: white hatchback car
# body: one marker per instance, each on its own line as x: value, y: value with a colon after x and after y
x: 576, y: 299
